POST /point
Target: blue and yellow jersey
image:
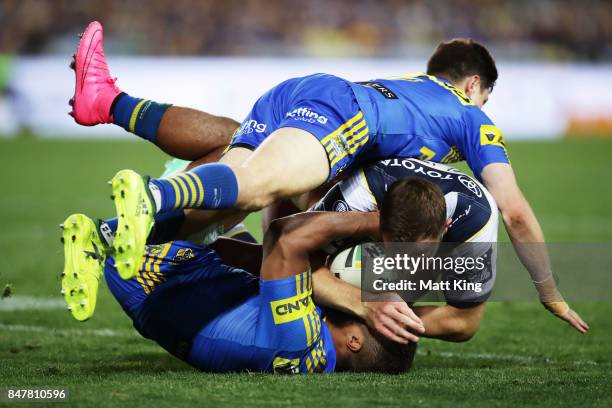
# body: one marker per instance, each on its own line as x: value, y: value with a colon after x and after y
x: 280, y: 330
x: 419, y: 116
x: 426, y: 117
x: 219, y: 318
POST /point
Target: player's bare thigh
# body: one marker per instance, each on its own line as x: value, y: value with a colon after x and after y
x: 288, y: 163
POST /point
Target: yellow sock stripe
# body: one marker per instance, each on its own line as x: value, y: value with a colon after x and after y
x: 177, y: 192
x: 185, y: 191
x: 192, y: 188
x: 200, y: 189
x: 342, y: 127
x: 135, y: 115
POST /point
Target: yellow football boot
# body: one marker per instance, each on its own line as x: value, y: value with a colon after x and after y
x: 84, y: 258
x: 135, y: 213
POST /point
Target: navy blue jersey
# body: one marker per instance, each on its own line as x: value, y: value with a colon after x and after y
x: 469, y: 206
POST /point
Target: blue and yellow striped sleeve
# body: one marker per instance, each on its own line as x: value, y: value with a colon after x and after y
x: 288, y: 318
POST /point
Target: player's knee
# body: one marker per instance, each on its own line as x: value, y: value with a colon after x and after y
x: 254, y: 199
x: 254, y: 193
x: 463, y: 330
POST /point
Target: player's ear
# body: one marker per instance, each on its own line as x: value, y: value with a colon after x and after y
x: 471, y: 85
x: 354, y: 340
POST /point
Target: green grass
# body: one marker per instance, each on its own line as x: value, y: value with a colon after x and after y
x: 521, y: 355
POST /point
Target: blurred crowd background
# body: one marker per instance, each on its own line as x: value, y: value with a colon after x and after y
x: 555, y: 30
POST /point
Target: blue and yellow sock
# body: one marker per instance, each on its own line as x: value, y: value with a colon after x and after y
x: 139, y: 116
x: 209, y: 186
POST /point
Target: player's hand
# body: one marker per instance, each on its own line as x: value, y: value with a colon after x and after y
x: 394, y: 319
x: 564, y: 312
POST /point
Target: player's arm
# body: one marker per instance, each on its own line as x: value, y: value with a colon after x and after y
x: 528, y: 239
x: 450, y: 323
x: 289, y: 240
x: 390, y: 315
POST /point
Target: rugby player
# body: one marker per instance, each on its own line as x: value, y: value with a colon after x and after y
x: 307, y: 131
x: 450, y: 207
x: 219, y: 318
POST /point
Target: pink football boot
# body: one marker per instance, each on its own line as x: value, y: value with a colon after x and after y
x: 95, y: 89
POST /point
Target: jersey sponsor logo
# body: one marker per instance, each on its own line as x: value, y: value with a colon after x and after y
x: 470, y: 185
x: 383, y: 90
x: 306, y: 115
x: 250, y: 126
x: 293, y: 308
x: 340, y: 206
x: 419, y: 168
x: 491, y: 135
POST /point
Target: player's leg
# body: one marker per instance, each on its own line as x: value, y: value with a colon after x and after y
x: 181, y: 132
x: 322, y: 132
x: 320, y: 135
x: 289, y: 162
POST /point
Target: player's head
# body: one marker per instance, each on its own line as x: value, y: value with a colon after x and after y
x: 359, y: 349
x: 468, y: 65
x: 413, y: 210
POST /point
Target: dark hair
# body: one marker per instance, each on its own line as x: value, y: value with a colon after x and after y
x: 460, y: 58
x: 377, y: 354
x: 413, y: 209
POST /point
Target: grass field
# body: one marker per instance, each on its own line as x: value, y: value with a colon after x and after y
x: 521, y: 356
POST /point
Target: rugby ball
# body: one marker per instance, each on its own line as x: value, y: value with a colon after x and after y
x: 346, y: 265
